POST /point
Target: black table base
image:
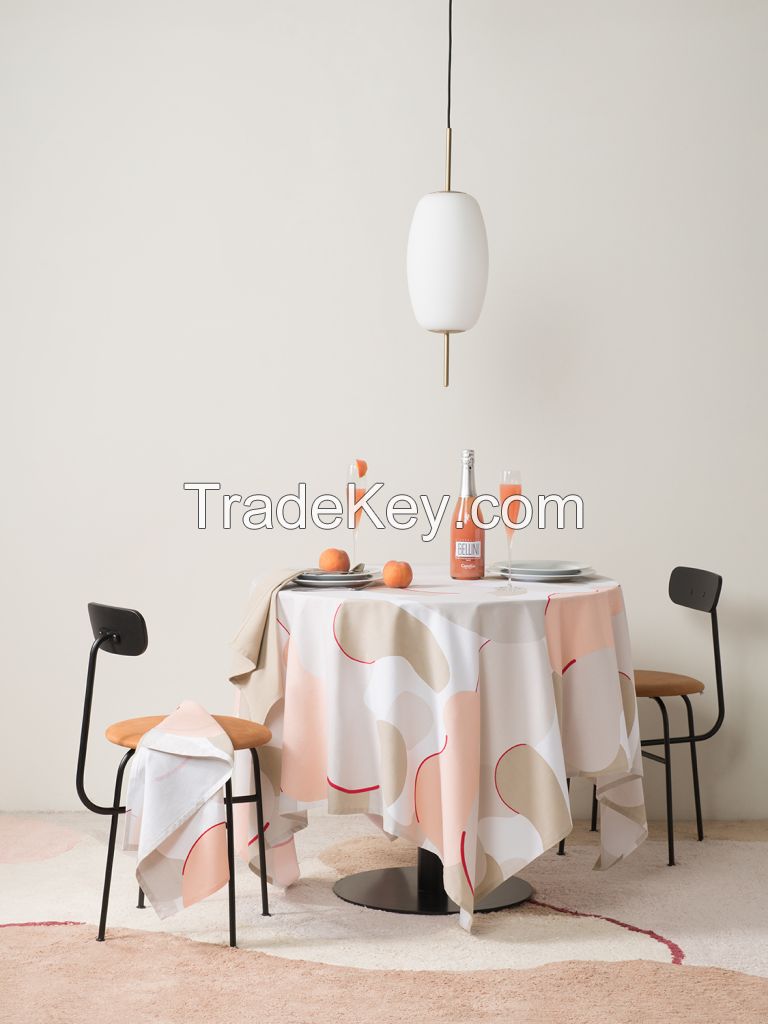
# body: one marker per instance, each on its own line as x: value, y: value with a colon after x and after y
x: 419, y: 890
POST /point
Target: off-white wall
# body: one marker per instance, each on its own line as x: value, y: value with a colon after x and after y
x: 204, y: 212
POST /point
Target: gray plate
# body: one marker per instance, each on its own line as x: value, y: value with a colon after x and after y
x: 324, y: 577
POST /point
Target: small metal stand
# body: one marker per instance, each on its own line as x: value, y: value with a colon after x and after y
x: 419, y: 890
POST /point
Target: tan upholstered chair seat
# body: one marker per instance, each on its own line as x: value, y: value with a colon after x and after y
x: 649, y: 683
x: 244, y: 734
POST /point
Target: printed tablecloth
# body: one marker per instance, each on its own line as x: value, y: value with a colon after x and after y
x: 453, y: 714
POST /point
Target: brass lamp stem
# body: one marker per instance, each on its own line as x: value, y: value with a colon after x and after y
x: 448, y: 160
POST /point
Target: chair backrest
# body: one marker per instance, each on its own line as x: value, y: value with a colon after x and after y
x: 695, y: 588
x: 125, y: 629
x: 116, y: 631
x: 700, y: 590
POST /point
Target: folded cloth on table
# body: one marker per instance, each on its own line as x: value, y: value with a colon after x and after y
x: 176, y: 818
x: 256, y: 654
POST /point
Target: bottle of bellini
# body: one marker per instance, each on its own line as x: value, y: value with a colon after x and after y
x: 467, y: 540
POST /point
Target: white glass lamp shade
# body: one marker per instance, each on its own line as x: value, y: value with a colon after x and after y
x: 447, y: 262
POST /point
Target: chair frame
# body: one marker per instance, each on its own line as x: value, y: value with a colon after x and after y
x: 133, y: 637
x: 699, y: 590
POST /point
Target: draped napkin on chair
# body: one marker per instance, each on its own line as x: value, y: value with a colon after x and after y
x: 176, y: 819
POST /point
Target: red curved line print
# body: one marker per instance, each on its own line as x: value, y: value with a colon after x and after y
x: 625, y: 675
x: 482, y: 645
x: 566, y: 667
x: 495, y: 770
x: 283, y: 625
x: 184, y: 867
x: 464, y: 863
x: 416, y: 780
x: 675, y: 951
x: 358, y: 660
x: 252, y: 841
x: 343, y: 789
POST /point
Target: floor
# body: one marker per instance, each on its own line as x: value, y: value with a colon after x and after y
x: 590, y: 944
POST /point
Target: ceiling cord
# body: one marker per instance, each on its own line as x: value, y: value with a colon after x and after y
x: 450, y: 55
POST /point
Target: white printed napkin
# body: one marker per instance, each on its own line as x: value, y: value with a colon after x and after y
x: 176, y: 818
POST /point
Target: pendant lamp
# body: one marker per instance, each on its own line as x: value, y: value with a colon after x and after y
x: 447, y: 259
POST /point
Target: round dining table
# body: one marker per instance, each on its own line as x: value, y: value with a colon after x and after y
x: 454, y: 713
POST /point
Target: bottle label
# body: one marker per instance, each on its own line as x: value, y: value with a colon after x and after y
x: 468, y: 549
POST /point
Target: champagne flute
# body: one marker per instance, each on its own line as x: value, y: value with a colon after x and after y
x: 509, y: 486
x: 356, y: 475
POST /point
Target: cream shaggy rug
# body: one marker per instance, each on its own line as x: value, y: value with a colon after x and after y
x: 679, y: 942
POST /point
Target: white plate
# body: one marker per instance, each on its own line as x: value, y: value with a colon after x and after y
x: 532, y: 577
x: 543, y: 568
x: 337, y: 584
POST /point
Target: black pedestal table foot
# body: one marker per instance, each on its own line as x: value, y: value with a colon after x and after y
x: 419, y: 890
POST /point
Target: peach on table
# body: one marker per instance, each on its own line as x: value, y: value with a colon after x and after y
x: 397, y: 575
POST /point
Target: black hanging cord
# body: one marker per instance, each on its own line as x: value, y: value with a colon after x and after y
x: 450, y: 54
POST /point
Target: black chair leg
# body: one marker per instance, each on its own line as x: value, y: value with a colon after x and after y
x: 230, y: 861
x: 593, y: 827
x: 261, y: 841
x: 111, y: 846
x: 140, y: 904
x: 694, y: 769
x: 668, y: 776
x: 561, y: 847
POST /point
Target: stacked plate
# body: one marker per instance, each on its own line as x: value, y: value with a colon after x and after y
x: 320, y: 579
x: 543, y: 571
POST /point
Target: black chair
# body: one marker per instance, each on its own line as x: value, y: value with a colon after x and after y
x: 699, y: 590
x: 123, y: 631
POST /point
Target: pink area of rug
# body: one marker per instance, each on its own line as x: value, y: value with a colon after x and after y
x: 61, y: 974
x: 27, y: 839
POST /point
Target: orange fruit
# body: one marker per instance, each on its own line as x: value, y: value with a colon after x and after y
x: 334, y: 560
x: 362, y: 467
x: 397, y: 574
